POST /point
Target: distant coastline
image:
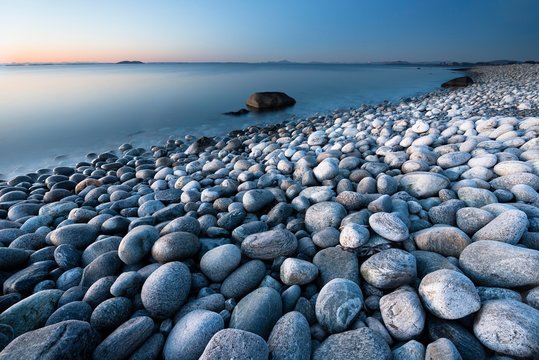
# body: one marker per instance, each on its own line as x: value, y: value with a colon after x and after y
x: 286, y: 62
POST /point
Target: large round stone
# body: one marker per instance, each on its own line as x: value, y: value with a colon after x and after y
x: 403, y: 314
x: 290, y: 338
x: 449, y: 294
x: 423, y: 184
x: 257, y: 199
x: 137, y: 244
x: 123, y: 341
x: 494, y: 263
x: 362, y: 343
x: 191, y: 334
x: 54, y: 342
x: 507, y: 227
x: 258, y: 312
x: 324, y: 214
x: 78, y: 235
x: 166, y: 289
x: 235, y: 344
x: 244, y: 279
x: 219, y: 262
x: 508, y: 327
x: 389, y: 226
x: 441, y: 239
x: 334, y: 263
x: 270, y: 244
x: 175, y: 246
x: 296, y: 271
x: 337, y: 305
x: 389, y: 269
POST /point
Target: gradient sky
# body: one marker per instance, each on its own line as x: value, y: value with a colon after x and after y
x: 249, y: 30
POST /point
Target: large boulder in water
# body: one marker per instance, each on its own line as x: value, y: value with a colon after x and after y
x: 458, y: 82
x: 269, y: 101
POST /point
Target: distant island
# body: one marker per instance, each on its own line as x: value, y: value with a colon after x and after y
x: 129, y: 62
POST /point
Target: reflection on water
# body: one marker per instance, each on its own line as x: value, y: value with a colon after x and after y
x: 70, y: 110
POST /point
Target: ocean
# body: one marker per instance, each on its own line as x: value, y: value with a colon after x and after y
x: 54, y: 115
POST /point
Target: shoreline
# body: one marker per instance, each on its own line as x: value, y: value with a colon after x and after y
x: 413, y: 218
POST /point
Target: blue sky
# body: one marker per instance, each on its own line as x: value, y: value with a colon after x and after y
x: 300, y: 30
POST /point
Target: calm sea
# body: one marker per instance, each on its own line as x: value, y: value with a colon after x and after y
x: 55, y: 114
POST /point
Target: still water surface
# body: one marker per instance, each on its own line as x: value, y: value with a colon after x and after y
x: 70, y: 110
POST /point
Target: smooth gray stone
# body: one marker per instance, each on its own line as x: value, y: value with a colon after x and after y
x: 475, y: 197
x: 32, y: 312
x: 243, y: 280
x: 464, y: 340
x: 442, y: 349
x: 338, y: 304
x: 137, y: 244
x: 166, y: 289
x: 54, y: 342
x: 110, y: 314
x: 151, y: 349
x: 123, y: 341
x: 412, y: 350
x: 462, y: 299
x: 235, y: 344
x: 269, y: 244
x: 242, y: 231
x: 493, y: 293
x: 67, y: 256
x: 389, y: 226
x: 470, y: 219
x: 191, y: 334
x: 257, y: 199
x: 362, y: 343
x: 428, y: 261
x: 175, y: 246
x: 403, y: 314
x: 24, y: 280
x: 441, y: 239
x: 76, y: 310
x: 127, y: 284
x: 334, y: 262
x: 258, y: 312
x: 219, y: 262
x: 423, y: 184
x: 184, y: 223
x: 213, y: 302
x: 324, y: 214
x: 76, y: 293
x: 508, y: 327
x: 507, y: 227
x: 100, y: 247
x: 99, y: 291
x: 296, y: 271
x: 108, y: 264
x: 78, y: 235
x: 70, y: 278
x: 389, y: 269
x: 290, y: 338
x: 33, y: 241
x: 495, y: 263
x: 328, y: 237
x: 11, y: 259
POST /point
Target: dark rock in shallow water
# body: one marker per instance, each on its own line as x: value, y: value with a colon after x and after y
x: 70, y: 339
x: 199, y: 145
x: 237, y: 113
x: 269, y: 101
x: 458, y: 82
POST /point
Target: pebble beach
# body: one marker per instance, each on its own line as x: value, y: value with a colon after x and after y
x: 405, y: 230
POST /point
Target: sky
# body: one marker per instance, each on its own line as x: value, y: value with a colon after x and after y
x: 264, y: 30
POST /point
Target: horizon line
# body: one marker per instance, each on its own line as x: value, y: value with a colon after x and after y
x: 395, y: 62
